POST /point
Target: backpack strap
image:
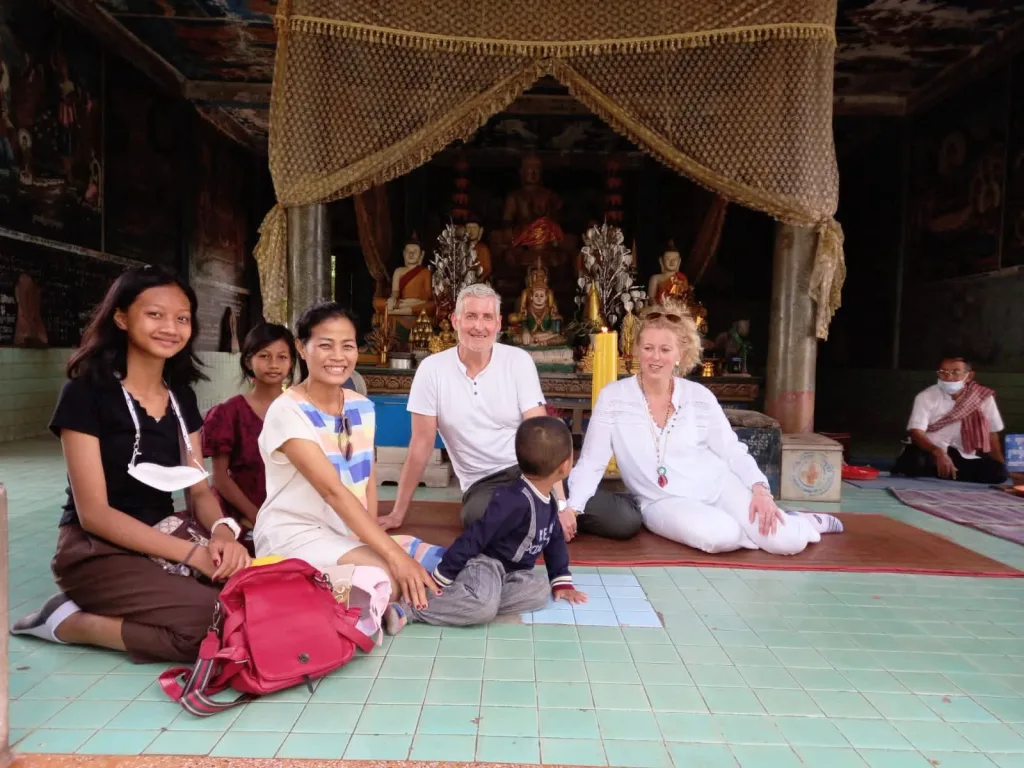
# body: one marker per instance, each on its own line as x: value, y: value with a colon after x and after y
x: 194, y: 688
x: 361, y: 640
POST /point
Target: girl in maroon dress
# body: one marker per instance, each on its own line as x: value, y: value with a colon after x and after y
x: 231, y: 429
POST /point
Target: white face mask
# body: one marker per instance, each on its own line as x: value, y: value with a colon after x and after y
x: 951, y: 387
x: 169, y: 479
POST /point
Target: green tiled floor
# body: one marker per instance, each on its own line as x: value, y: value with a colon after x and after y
x: 752, y: 668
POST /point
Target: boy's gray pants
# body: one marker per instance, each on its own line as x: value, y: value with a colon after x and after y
x: 482, y: 591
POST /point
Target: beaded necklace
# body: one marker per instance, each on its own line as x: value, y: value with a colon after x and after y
x: 660, y: 435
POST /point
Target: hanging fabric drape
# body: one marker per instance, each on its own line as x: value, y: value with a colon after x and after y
x: 705, y: 247
x: 373, y: 220
x: 734, y: 94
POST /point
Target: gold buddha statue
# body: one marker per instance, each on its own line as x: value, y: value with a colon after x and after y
x: 446, y: 339
x: 537, y: 323
x: 411, y: 290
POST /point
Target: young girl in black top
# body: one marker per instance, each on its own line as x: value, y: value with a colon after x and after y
x: 129, y: 425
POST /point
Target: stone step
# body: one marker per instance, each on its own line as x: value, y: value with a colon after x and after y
x: 434, y: 476
x: 397, y: 455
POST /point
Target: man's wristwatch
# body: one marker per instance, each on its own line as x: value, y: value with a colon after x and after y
x: 562, y: 504
x: 232, y: 525
x: 760, y: 489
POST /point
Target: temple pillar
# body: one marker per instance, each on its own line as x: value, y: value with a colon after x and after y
x: 309, y: 258
x: 5, y: 583
x: 792, y: 345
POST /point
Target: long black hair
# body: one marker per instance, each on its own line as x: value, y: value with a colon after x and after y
x: 261, y: 337
x: 103, y: 354
x: 313, y: 316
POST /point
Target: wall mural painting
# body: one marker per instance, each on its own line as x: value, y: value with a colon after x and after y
x: 50, y: 127
x: 220, y: 214
x: 957, y: 184
x: 142, y: 189
x: 1013, y: 234
x: 47, y: 296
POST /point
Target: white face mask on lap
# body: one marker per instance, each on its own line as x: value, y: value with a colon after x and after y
x: 169, y: 479
x: 951, y: 387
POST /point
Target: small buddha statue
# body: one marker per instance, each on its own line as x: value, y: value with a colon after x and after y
x: 670, y: 282
x: 538, y: 322
x: 411, y: 289
x: 475, y: 232
x: 446, y: 339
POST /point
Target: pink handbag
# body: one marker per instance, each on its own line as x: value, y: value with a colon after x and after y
x: 274, y: 627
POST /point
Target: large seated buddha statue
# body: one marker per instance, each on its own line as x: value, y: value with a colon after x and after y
x: 538, y: 322
x: 411, y: 288
x: 530, y: 222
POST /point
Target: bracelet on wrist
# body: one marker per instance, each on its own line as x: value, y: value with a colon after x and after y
x: 190, y: 553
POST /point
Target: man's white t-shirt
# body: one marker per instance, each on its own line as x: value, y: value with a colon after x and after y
x: 477, y: 418
x: 932, y: 404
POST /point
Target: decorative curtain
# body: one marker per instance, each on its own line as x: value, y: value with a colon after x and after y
x: 373, y: 220
x: 705, y: 247
x: 735, y: 94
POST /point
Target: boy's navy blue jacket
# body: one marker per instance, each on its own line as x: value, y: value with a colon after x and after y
x: 517, y: 526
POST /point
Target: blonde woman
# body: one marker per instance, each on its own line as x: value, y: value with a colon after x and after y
x: 679, y: 456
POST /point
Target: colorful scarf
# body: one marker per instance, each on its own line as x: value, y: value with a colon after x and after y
x: 974, y: 427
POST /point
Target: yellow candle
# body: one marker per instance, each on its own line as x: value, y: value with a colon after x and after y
x: 606, y: 368
x: 606, y: 361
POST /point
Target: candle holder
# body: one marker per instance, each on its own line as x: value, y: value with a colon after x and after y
x: 586, y: 364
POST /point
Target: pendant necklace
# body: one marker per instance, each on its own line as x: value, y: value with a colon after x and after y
x: 659, y: 435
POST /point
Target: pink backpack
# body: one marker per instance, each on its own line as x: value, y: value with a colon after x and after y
x: 274, y: 627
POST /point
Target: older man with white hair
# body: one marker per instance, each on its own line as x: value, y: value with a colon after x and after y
x: 476, y: 394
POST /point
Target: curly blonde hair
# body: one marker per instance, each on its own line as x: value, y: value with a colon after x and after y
x: 685, y: 330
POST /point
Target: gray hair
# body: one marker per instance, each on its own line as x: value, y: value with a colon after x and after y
x: 477, y: 291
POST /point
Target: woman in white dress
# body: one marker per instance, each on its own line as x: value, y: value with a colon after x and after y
x: 680, y: 457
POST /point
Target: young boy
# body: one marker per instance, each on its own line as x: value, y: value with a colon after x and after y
x: 489, y: 569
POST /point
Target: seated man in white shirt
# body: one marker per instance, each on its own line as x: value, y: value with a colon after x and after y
x: 476, y: 394
x: 954, y: 430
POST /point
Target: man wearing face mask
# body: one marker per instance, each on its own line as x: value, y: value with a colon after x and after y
x: 954, y: 430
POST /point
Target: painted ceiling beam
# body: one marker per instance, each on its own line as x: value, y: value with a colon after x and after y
x: 222, y: 120
x: 991, y: 56
x: 891, y: 105
x: 114, y: 37
x: 256, y: 94
x: 117, y: 39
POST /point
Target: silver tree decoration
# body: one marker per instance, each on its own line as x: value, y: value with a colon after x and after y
x: 455, y: 266
x: 608, y: 265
